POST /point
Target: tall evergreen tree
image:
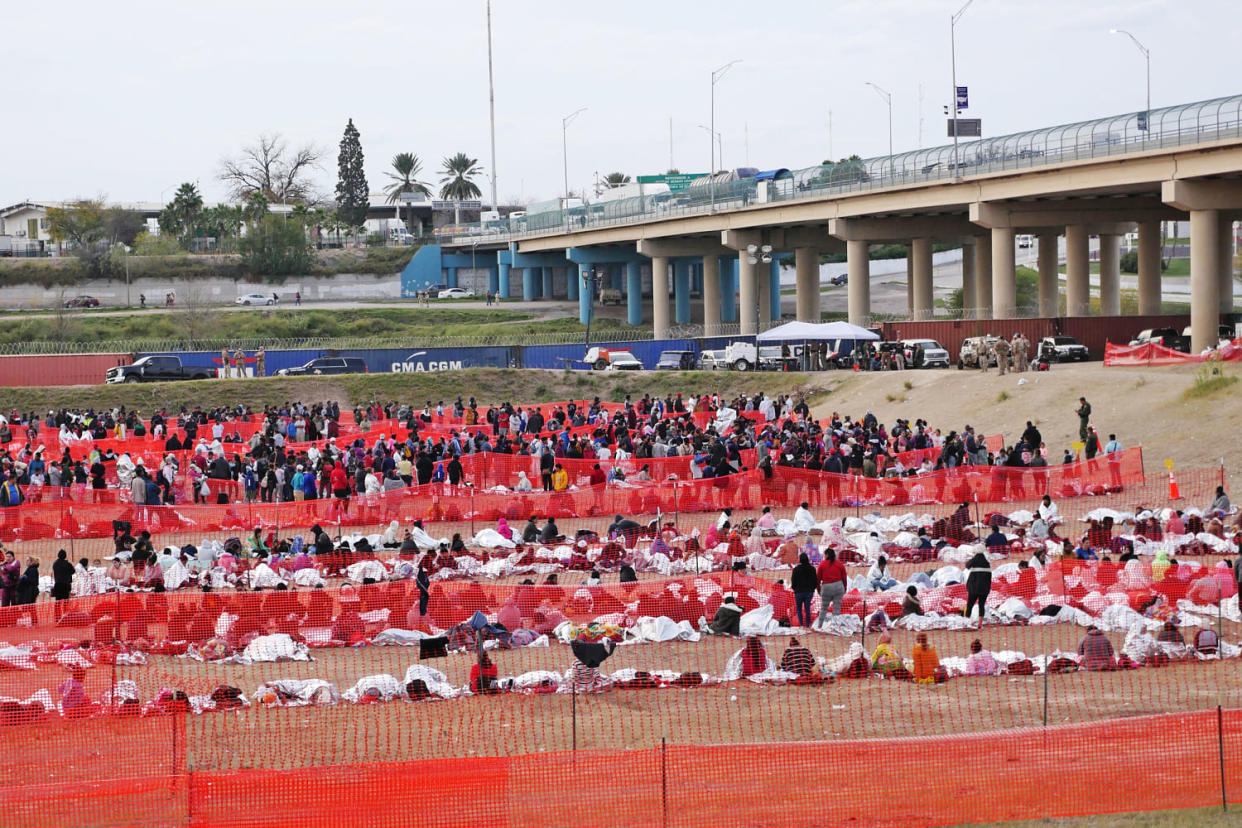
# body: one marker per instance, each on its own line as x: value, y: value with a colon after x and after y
x: 351, y: 184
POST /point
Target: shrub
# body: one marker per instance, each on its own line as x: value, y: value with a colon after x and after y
x: 277, y: 248
x: 149, y: 244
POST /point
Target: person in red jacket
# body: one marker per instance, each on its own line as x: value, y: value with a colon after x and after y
x: 832, y: 581
x: 483, y: 675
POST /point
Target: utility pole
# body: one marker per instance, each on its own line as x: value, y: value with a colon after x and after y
x: 711, y: 138
x: 671, y: 165
x: 491, y: 104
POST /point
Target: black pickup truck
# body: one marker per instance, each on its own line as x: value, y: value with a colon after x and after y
x: 157, y: 369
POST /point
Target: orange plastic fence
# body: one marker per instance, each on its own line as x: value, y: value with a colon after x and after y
x: 1151, y: 353
x: 788, y: 487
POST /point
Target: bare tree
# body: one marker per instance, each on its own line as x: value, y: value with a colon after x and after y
x: 197, y: 318
x: 270, y: 167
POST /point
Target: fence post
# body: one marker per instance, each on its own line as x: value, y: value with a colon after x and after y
x: 574, y: 711
x: 1220, y: 746
x: 664, y: 781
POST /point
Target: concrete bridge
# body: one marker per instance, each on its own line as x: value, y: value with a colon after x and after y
x: 725, y: 238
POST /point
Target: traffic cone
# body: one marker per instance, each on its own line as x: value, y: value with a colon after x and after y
x: 1174, y: 492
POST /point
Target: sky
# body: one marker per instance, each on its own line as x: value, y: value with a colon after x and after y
x: 128, y: 99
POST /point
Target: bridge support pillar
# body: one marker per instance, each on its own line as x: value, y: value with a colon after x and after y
x: 586, y: 295
x: 1077, y: 270
x: 681, y: 291
x: 919, y: 256
x: 634, y: 293
x: 774, y: 290
x: 909, y: 281
x: 450, y: 276
x: 858, y: 286
x: 547, y: 283
x: 530, y: 283
x: 1205, y: 269
x: 1004, y: 281
x: 1110, y: 275
x: 1049, y: 289
x: 806, y: 266
x: 502, y: 289
x: 728, y: 288
x: 1225, y: 238
x: 572, y: 283
x: 659, y: 296
x: 969, y: 300
x: 763, y: 285
x: 493, y: 279
x: 983, y: 277
x: 748, y: 299
x: 711, y: 295
x: 1149, y: 299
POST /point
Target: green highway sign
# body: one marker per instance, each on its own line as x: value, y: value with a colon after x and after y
x: 679, y: 181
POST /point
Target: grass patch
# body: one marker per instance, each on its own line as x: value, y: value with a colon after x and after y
x: 1140, y: 382
x: 1002, y: 396
x: 66, y: 271
x: 260, y: 323
x: 1209, y: 380
x: 909, y: 386
x: 487, y: 385
x: 895, y: 398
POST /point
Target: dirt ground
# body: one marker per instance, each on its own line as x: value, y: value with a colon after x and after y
x: 1142, y: 406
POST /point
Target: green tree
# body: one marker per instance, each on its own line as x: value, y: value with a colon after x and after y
x: 352, y: 194
x: 616, y: 179
x: 456, y: 177
x: 406, y: 169
x: 180, y: 217
x: 82, y: 226
x: 77, y: 224
x: 255, y: 208
x: 673, y: 171
x: 222, y: 222
x: 148, y: 244
x: 276, y: 247
x: 122, y: 226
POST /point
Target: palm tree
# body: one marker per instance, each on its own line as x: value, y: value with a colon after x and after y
x: 616, y: 179
x: 456, y: 175
x: 405, y: 180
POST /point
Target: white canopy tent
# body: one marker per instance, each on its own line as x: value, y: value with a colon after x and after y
x: 811, y: 331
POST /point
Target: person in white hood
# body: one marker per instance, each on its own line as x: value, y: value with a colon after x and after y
x: 1048, y: 509
x: 803, y: 520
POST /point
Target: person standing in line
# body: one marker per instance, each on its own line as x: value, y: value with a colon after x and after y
x: 832, y: 579
x: 224, y: 362
x: 62, y: 579
x: 10, y: 574
x: 803, y: 582
x: 978, y: 584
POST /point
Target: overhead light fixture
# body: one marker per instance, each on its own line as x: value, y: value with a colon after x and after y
x: 767, y: 248
x: 752, y: 249
x: 752, y: 259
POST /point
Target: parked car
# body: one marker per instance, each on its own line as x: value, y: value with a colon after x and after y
x: 157, y: 369
x: 255, y: 299
x: 610, y: 296
x: 968, y: 357
x: 82, y: 302
x: 1224, y: 334
x: 676, y: 361
x: 612, y: 359
x: 1061, y: 349
x: 839, y: 280
x: 327, y: 365
x: 1168, y: 337
x: 712, y: 360
x: 455, y: 293
x: 931, y: 353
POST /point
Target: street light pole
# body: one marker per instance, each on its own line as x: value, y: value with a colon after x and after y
x: 491, y: 105
x: 719, y: 143
x: 888, y: 99
x: 565, y: 146
x: 953, y: 58
x: 1146, y: 57
x: 716, y: 75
